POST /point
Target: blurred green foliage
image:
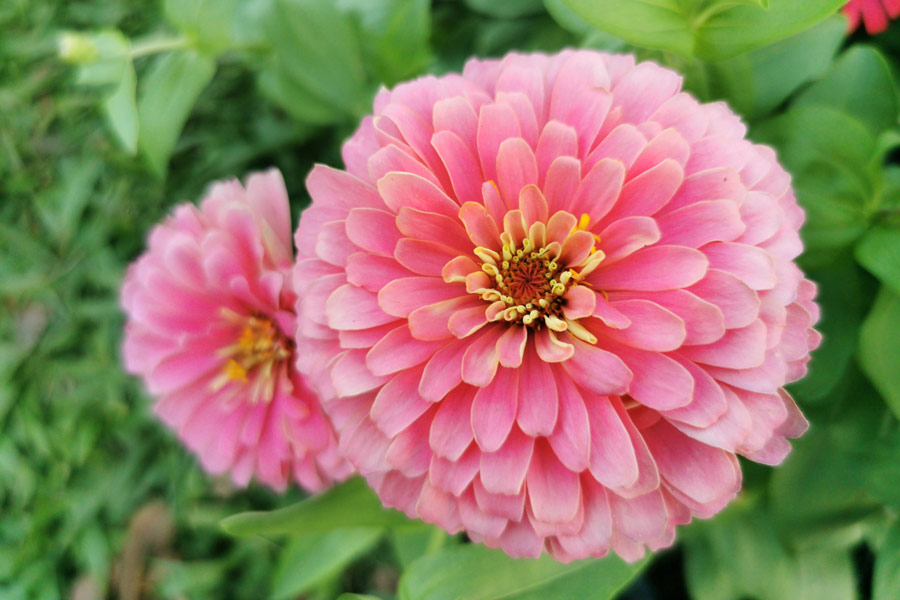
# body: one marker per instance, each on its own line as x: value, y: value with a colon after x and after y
x: 162, y: 97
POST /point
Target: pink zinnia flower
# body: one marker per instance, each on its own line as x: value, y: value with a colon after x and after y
x: 210, y: 311
x: 875, y: 14
x: 551, y: 299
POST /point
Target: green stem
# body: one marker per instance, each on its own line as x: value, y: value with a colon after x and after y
x: 161, y: 45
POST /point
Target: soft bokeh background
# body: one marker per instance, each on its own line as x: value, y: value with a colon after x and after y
x: 159, y: 98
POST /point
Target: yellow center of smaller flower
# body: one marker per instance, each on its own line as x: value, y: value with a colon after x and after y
x: 252, y: 359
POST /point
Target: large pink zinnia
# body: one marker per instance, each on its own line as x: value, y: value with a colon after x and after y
x: 210, y: 330
x: 551, y: 299
x: 875, y: 14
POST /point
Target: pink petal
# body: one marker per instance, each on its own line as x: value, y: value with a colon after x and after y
x: 397, y: 404
x: 700, y: 223
x: 431, y: 322
x: 451, y: 429
x: 351, y: 307
x: 659, y: 381
x: 556, y: 139
x: 652, y: 326
x: 743, y: 348
x: 480, y: 360
x: 653, y: 269
x: 612, y: 458
x: 625, y: 236
x: 538, y: 401
x: 496, y: 123
x: 739, y: 304
x: 554, y: 492
x: 481, y: 228
x: 600, y: 190
x: 424, y: 258
x: 562, y: 182
x: 494, y: 409
x: 372, y: 271
x: 397, y: 351
x: 402, y: 296
x: 503, y: 471
x: 351, y: 377
x: 462, y: 166
x: 443, y: 371
x: 572, y: 437
x: 597, y: 370
x: 433, y: 227
x: 455, y: 476
x: 752, y: 265
x: 511, y: 346
x: 406, y: 189
x: 648, y: 192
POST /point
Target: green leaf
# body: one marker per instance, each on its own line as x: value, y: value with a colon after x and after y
x: 710, y: 29
x: 349, y: 504
x: 395, y: 36
x: 879, y: 347
x: 879, y: 252
x: 169, y: 92
x: 473, y: 572
x: 817, y: 495
x: 887, y: 566
x: 316, y: 56
x: 208, y: 23
x: 860, y: 84
x: 311, y: 559
x: 121, y: 110
x: 737, y: 555
x: 357, y: 597
x: 757, y: 82
x: 410, y: 543
x: 508, y: 9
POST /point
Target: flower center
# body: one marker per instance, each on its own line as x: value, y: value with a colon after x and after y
x: 528, y: 280
x: 259, y: 349
x: 537, y: 277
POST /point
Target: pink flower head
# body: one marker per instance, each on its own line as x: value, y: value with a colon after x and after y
x: 551, y: 298
x: 875, y: 14
x: 210, y: 321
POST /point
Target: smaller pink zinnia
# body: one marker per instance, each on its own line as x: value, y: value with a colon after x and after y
x: 210, y: 312
x: 875, y: 14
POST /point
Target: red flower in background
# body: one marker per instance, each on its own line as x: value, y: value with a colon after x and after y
x: 875, y: 14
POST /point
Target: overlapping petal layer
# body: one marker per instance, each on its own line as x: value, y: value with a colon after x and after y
x: 210, y: 310
x: 550, y: 299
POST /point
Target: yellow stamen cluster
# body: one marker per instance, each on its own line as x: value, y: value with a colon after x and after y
x: 257, y: 351
x: 528, y: 281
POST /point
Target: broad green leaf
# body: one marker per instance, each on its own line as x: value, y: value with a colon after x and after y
x: 817, y: 496
x: 738, y: 555
x: 757, y: 82
x: 879, y: 252
x: 861, y: 85
x: 357, y: 597
x: 507, y: 9
x: 310, y: 559
x: 121, y: 110
x: 169, y: 92
x: 395, y: 36
x: 317, y: 51
x: 887, y: 566
x: 208, y: 23
x: 410, y: 543
x: 879, y: 347
x: 709, y: 29
x: 349, y: 504
x: 566, y: 18
x: 824, y: 574
x: 473, y: 572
